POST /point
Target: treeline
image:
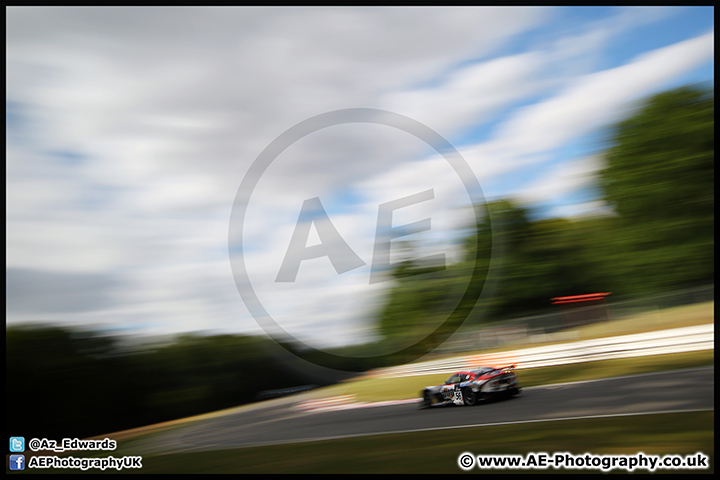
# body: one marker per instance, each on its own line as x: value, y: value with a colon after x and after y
x: 67, y: 382
x: 657, y: 234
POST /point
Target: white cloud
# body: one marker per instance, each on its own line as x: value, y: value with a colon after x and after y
x: 560, y: 180
x: 471, y: 94
x: 596, y: 99
x: 166, y: 109
x: 585, y: 209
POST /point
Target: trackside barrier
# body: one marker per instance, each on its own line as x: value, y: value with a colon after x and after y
x: 676, y: 340
x: 553, y: 326
x: 329, y: 403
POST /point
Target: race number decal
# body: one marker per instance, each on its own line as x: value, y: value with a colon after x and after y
x: 457, y: 395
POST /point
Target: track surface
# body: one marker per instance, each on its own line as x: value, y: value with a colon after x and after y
x: 278, y: 423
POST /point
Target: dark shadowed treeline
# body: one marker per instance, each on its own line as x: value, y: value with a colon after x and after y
x: 67, y: 383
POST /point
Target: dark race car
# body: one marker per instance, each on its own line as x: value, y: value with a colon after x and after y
x: 472, y: 387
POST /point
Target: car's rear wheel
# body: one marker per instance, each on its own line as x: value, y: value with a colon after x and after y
x: 484, y: 397
x: 469, y: 397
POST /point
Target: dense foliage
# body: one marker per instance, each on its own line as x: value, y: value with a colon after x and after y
x: 658, y: 235
x: 66, y: 383
x: 660, y: 180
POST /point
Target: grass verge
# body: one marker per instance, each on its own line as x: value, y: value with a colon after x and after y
x: 379, y: 389
x: 438, y: 451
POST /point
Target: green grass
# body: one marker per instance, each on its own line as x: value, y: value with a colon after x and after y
x: 437, y: 451
x: 615, y: 368
x: 663, y: 319
x: 676, y: 317
x: 379, y: 389
x: 430, y: 452
x: 403, y: 388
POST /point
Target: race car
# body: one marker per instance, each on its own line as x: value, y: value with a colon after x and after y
x: 472, y: 387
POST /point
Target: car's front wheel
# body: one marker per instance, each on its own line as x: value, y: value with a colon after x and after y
x: 469, y: 397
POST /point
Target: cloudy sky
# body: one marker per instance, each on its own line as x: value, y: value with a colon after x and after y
x: 130, y: 130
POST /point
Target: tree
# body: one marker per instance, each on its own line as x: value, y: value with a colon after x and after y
x: 659, y: 178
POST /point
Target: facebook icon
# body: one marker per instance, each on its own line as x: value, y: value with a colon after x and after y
x: 17, y: 462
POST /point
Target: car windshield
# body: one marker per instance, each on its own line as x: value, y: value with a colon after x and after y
x: 455, y: 378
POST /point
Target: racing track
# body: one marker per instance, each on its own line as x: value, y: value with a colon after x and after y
x: 278, y: 422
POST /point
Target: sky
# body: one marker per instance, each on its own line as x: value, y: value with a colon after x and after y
x: 129, y: 132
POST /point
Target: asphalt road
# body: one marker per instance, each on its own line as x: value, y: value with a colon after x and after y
x: 277, y: 422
